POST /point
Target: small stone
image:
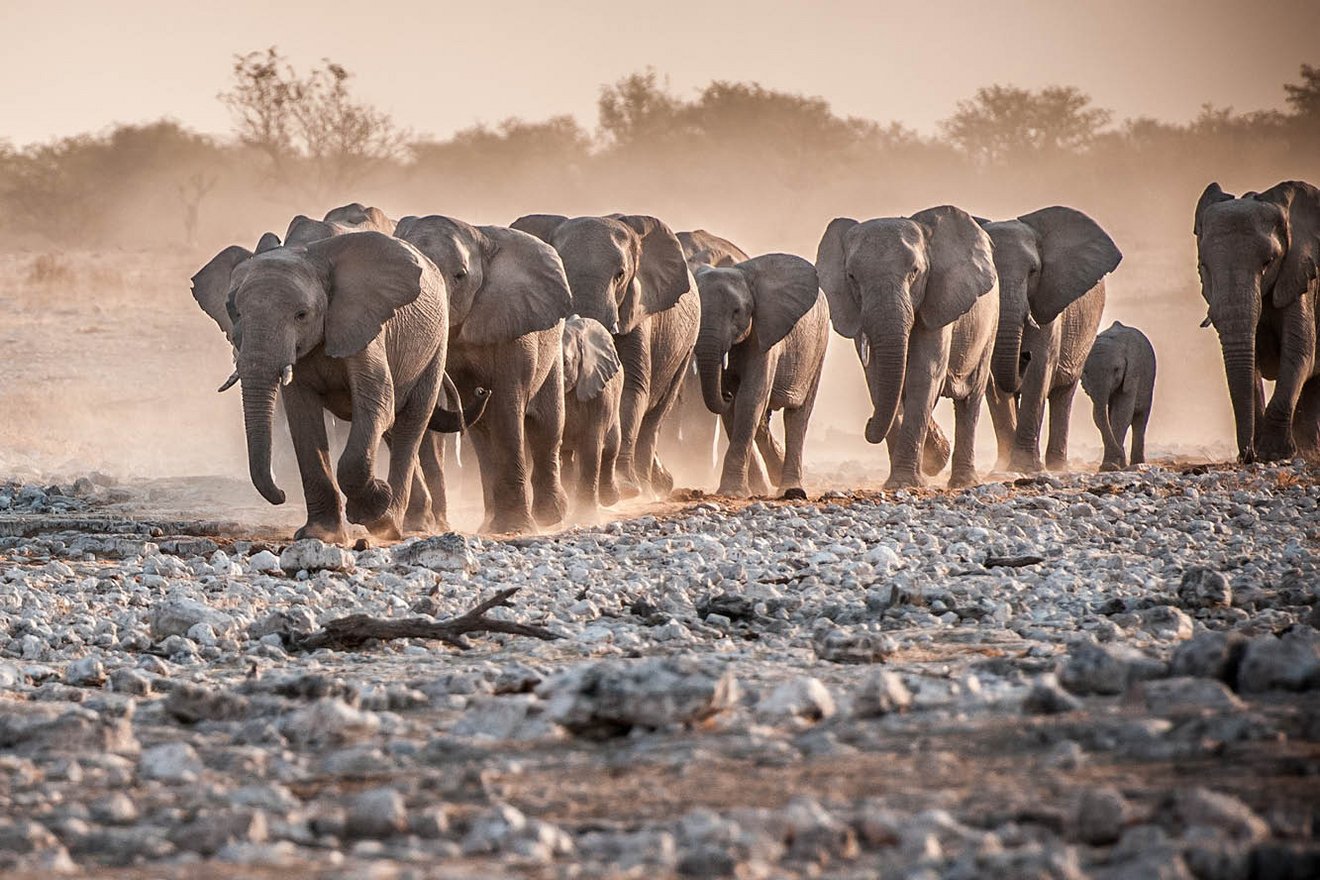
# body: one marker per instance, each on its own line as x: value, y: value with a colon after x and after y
x: 175, y: 617
x: 115, y: 809
x: 1167, y: 622
x: 1047, y: 698
x: 842, y: 646
x: 329, y: 721
x: 1188, y: 696
x: 799, y: 698
x: 1101, y: 815
x: 170, y: 762
x: 377, y: 813
x: 816, y: 836
x: 87, y: 672
x: 882, y: 693
x: 312, y: 555
x: 263, y: 562
x: 191, y: 703
x: 447, y: 552
x: 1290, y: 663
x: 1209, y: 655
x: 1204, y: 588
x: 1222, y: 812
x: 1105, y: 669
x: 126, y: 680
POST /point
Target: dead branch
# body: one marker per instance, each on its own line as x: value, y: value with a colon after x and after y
x: 1011, y: 561
x: 355, y: 630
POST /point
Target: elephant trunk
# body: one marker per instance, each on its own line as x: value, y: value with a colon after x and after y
x: 1240, y: 367
x: 258, y: 417
x: 1007, y: 357
x: 593, y: 296
x: 709, y: 354
x: 447, y: 421
x: 886, y: 371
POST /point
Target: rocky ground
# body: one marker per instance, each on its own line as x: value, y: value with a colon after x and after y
x: 1083, y: 676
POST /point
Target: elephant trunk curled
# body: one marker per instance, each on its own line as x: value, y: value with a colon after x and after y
x: 710, y: 368
x: 886, y: 372
x: 258, y: 417
x: 1004, y: 363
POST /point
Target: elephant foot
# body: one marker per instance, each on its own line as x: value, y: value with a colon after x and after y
x: 759, y: 486
x: 1107, y: 467
x: 370, y: 504
x: 509, y: 523
x: 936, y: 451
x: 385, y: 529
x: 905, y: 480
x: 795, y: 493
x: 1276, y: 448
x: 1057, y: 464
x: 423, y: 523
x: 662, y: 481
x: 963, y: 479
x: 1024, y: 463
x: 628, y: 488
x: 609, y: 493
x: 330, y: 533
x: 549, y: 507
x: 733, y: 490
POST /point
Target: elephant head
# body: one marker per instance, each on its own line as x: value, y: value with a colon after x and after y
x: 590, y: 359
x: 621, y: 268
x: 702, y: 248
x: 1045, y: 260
x: 360, y: 217
x: 1255, y: 249
x: 1106, y: 369
x: 758, y: 302
x: 502, y: 283
x: 279, y: 306
x: 882, y: 277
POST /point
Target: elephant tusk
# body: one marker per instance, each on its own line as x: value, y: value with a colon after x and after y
x: 229, y: 383
x: 864, y: 350
x: 286, y: 376
x: 726, y: 360
x: 1031, y: 322
x: 614, y: 329
x: 1207, y: 322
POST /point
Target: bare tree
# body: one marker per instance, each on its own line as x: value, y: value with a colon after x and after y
x: 191, y: 195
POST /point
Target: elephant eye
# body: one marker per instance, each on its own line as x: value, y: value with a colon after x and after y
x: 461, y: 274
x: 618, y: 276
x: 301, y: 315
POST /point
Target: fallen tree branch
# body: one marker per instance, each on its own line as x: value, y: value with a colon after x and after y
x: 355, y: 630
x: 1011, y: 561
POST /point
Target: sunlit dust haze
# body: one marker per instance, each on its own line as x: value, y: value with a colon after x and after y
x: 125, y: 165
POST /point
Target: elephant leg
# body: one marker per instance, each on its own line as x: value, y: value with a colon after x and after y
x: 432, y: 460
x: 311, y: 445
x: 545, y: 431
x: 748, y: 413
x: 1139, y: 419
x: 372, y: 390
x: 1306, y: 420
x: 795, y: 440
x: 935, y: 450
x: 656, y: 477
x: 1061, y: 400
x: 609, y: 490
x: 1025, y: 457
x: 771, y: 452
x: 1003, y: 416
x: 405, y: 442
x: 1122, y: 408
x: 1276, y: 436
x: 966, y: 415
x: 501, y: 452
x: 1102, y: 412
x: 589, y: 454
x: 634, y: 351
x: 928, y: 360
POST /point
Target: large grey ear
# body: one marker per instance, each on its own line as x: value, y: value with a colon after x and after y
x: 543, y: 226
x: 961, y: 264
x: 784, y: 288
x: 211, y: 284
x: 523, y: 288
x: 663, y: 271
x: 404, y: 225
x: 1300, y: 203
x: 1210, y: 196
x: 832, y: 271
x: 702, y: 248
x: 1075, y: 253
x: 599, y: 360
x: 268, y: 242
x: 303, y: 230
x: 369, y: 276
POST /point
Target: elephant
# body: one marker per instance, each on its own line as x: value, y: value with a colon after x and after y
x: 1119, y: 377
x: 767, y: 319
x: 354, y: 217
x: 593, y: 389
x: 508, y: 298
x: 628, y: 272
x: 356, y: 324
x: 1051, y: 265
x: 919, y: 297
x: 1257, y: 257
x: 702, y: 248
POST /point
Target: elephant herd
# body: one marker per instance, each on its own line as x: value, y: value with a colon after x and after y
x: 562, y: 347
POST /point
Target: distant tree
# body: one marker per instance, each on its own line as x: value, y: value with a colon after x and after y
x: 308, y: 123
x: 638, y: 109
x: 191, y: 195
x: 1004, y: 123
x: 1304, y: 97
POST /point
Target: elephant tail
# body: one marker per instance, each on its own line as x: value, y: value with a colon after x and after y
x: 457, y: 421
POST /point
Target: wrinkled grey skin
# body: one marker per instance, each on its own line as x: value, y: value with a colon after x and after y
x: 1050, y: 264
x: 1258, y: 257
x: 627, y: 271
x: 919, y: 298
x: 361, y: 320
x: 1119, y: 377
x: 508, y: 298
x: 593, y: 389
x: 768, y: 317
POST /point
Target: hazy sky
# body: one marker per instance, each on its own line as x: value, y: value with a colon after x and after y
x: 439, y: 66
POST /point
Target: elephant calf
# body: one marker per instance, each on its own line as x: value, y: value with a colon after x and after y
x: 767, y: 319
x: 1119, y: 377
x: 593, y: 388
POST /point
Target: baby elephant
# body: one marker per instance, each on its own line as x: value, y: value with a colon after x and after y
x: 593, y: 386
x: 1119, y: 377
x: 764, y: 328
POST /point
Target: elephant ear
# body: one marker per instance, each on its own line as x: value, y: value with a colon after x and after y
x: 543, y: 226
x: 523, y: 288
x: 358, y: 214
x: 404, y: 225
x: 369, y: 276
x: 1211, y: 195
x: 268, y: 242
x: 662, y: 271
x: 832, y: 271
x: 784, y: 288
x: 211, y: 285
x: 1075, y: 253
x: 303, y: 230
x: 961, y: 265
x: 1300, y: 203
x: 599, y: 360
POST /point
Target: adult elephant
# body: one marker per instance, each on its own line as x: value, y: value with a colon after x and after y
x: 919, y: 298
x: 1051, y: 265
x: 628, y: 272
x: 1258, y: 255
x: 508, y: 298
x: 356, y: 324
x: 354, y: 217
x: 764, y: 329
